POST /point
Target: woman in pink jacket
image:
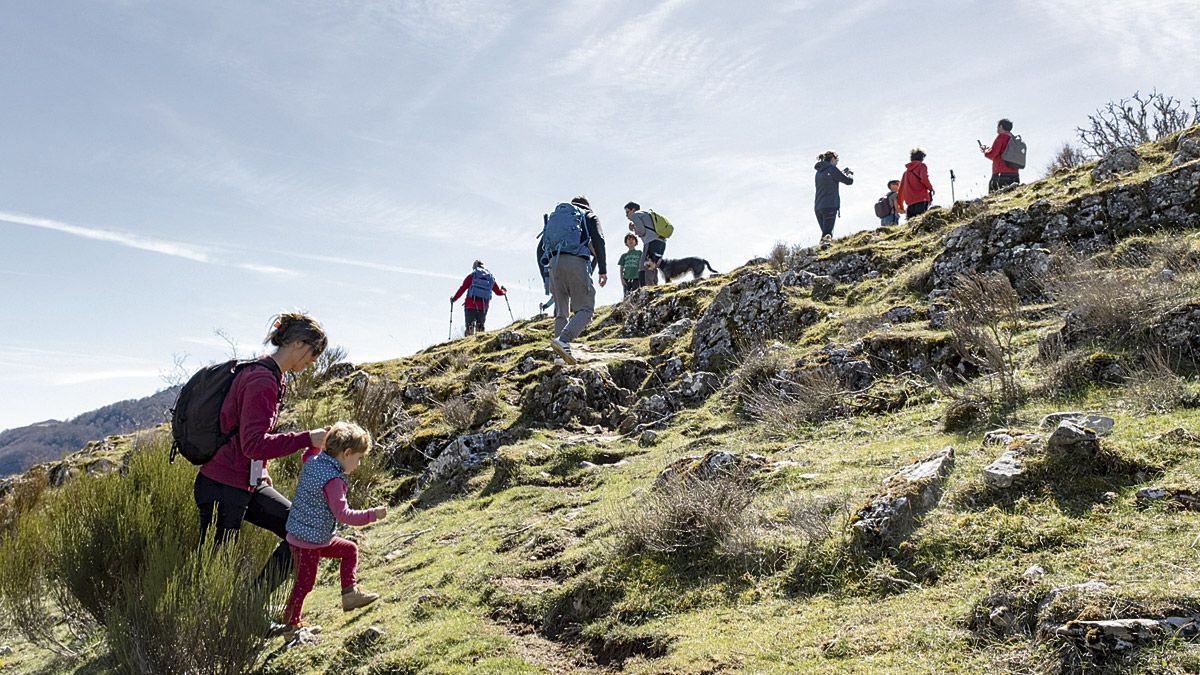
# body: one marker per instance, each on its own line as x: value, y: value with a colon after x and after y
x: 235, y: 484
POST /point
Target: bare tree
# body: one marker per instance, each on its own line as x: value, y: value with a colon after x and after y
x: 1136, y: 120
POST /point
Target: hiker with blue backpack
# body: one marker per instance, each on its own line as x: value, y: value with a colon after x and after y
x: 479, y: 286
x: 570, y: 242
x: 653, y: 229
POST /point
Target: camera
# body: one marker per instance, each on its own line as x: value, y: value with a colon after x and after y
x: 847, y: 171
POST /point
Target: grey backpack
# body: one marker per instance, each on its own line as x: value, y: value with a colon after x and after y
x: 1014, y: 153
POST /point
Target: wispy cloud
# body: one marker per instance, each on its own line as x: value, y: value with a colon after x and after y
x: 76, y: 378
x: 138, y: 242
x: 369, y: 265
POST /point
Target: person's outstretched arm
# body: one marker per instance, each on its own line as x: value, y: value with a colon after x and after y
x: 256, y: 417
x: 335, y: 496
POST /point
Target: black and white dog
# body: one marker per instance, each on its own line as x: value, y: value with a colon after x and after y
x: 672, y: 269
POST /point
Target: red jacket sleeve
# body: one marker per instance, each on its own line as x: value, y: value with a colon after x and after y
x: 924, y: 176
x: 462, y: 289
x: 335, y: 496
x: 496, y: 288
x: 997, y: 147
x: 260, y: 401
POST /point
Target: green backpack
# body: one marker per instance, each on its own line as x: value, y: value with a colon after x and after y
x: 662, y: 226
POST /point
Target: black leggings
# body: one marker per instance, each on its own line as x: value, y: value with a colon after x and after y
x: 826, y: 218
x: 475, y: 319
x: 263, y: 506
x: 916, y: 209
x: 1001, y: 180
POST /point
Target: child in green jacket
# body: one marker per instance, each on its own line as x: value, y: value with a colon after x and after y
x: 628, y: 262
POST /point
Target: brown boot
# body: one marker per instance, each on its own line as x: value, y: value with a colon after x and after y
x: 354, y: 598
x: 292, y: 629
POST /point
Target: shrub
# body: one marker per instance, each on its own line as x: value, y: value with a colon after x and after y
x: 755, y: 369
x: 474, y: 409
x: 118, y: 553
x: 378, y: 408
x: 983, y: 318
x: 1079, y: 369
x: 1066, y: 157
x: 688, y: 514
x: 1155, y: 388
x: 796, y: 400
x: 304, y: 384
x: 964, y: 413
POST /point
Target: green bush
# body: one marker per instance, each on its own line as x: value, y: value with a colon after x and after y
x: 117, y: 555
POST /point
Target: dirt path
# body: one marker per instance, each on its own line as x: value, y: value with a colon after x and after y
x: 552, y: 656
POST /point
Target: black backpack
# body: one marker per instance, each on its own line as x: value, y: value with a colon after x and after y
x: 196, y: 415
x: 883, y: 207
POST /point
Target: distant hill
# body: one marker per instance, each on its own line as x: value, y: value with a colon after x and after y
x: 23, y: 447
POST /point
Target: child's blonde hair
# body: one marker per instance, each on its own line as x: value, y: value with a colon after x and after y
x: 347, y: 437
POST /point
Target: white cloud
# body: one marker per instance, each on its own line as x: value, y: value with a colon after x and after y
x: 136, y: 241
x: 76, y: 378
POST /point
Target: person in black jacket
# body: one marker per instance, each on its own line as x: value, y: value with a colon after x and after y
x: 828, y: 201
x: 571, y: 287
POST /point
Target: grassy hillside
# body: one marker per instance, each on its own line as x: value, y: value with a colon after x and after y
x: 555, y: 547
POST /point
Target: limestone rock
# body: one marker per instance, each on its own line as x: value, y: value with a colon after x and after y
x: 648, y: 311
x: 1034, y: 572
x: 711, y: 465
x: 653, y: 410
x: 1098, y: 424
x: 1071, y: 436
x: 660, y: 342
x: 823, y: 287
x: 1179, y: 498
x: 910, y: 493
x: 1187, y: 150
x: 900, y: 314
x: 648, y: 438
x: 579, y: 395
x: 754, y: 304
x: 1179, y: 436
x: 463, y: 454
x: 1116, y: 635
x: 1119, y: 160
x: 1179, y: 331
x: 507, y: 339
x: 1006, y: 468
x: 630, y: 373
x: 695, y: 387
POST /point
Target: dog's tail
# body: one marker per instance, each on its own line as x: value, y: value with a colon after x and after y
x: 710, y: 269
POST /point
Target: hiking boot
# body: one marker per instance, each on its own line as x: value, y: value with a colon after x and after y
x: 292, y: 629
x: 564, y: 350
x: 826, y: 241
x: 354, y: 598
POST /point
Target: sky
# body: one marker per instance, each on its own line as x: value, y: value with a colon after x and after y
x: 173, y: 174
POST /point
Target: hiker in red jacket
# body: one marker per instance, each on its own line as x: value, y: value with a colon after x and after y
x: 915, y: 189
x: 1003, y: 173
x: 234, y: 485
x: 479, y: 287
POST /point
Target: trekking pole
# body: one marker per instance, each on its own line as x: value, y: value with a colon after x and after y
x: 450, y: 336
x: 509, y: 305
x: 952, y: 200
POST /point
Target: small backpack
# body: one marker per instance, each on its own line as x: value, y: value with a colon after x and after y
x: 662, y: 226
x: 565, y: 231
x: 883, y: 207
x: 1014, y: 153
x: 196, y: 415
x: 481, y: 284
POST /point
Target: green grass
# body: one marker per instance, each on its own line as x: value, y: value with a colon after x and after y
x: 516, y: 568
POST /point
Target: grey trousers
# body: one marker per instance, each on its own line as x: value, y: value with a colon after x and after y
x: 574, y: 295
x: 651, y: 250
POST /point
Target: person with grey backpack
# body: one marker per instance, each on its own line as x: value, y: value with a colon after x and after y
x: 1007, y: 153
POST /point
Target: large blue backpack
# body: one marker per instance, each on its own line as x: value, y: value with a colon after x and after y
x: 565, y: 231
x: 481, y: 284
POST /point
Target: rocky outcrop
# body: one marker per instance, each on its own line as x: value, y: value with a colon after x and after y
x: 507, y: 339
x: 462, y: 455
x: 753, y: 305
x: 1179, y: 331
x: 713, y: 464
x: 648, y: 311
x: 575, y: 396
x: 893, y: 513
x: 1174, y: 497
x: 1012, y: 242
x: 662, y: 341
x: 1117, y: 161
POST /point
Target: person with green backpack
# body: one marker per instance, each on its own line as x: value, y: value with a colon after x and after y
x: 653, y: 229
